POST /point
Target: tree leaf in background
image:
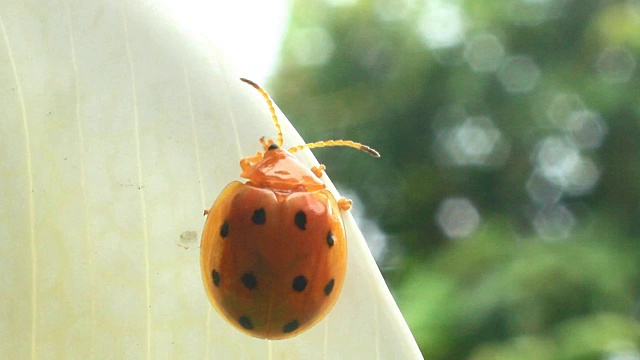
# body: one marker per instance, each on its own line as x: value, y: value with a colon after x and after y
x: 117, y: 130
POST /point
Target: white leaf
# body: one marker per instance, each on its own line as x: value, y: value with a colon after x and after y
x: 116, y: 131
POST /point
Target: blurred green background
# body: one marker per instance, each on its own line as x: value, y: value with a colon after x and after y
x: 505, y: 210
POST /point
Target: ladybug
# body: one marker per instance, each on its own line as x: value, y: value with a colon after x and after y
x: 273, y: 252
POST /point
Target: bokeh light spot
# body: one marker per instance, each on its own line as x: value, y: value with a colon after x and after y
x: 554, y: 222
x: 312, y: 46
x: 623, y: 354
x: 457, y: 217
x: 616, y: 65
x: 441, y: 24
x: 484, y: 52
x: 563, y: 106
x: 587, y: 128
x: 519, y: 74
x: 392, y: 10
x: 583, y: 178
x: 541, y: 190
x: 476, y: 142
x: 557, y: 157
x: 560, y: 162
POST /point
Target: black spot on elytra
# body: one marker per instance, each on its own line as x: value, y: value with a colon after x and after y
x: 224, y: 229
x: 259, y: 216
x: 291, y: 326
x: 329, y: 287
x: 299, y: 283
x: 216, y: 277
x: 330, y: 239
x: 245, y: 322
x: 300, y: 220
x: 249, y: 281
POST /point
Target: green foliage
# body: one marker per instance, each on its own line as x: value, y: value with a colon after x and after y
x: 531, y: 113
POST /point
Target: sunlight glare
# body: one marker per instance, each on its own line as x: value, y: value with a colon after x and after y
x: 247, y: 32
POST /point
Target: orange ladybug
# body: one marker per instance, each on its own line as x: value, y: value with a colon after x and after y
x: 273, y: 253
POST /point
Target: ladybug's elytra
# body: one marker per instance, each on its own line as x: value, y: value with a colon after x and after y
x: 273, y: 252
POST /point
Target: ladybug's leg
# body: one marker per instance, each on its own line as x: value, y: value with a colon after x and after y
x: 247, y: 162
x: 344, y: 203
x: 317, y: 170
x: 205, y: 212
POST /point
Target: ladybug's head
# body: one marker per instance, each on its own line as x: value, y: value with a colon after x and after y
x: 279, y: 170
x: 268, y: 145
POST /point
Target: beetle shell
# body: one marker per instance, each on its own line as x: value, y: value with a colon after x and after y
x: 273, y: 262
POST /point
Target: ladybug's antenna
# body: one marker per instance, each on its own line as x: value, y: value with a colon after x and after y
x: 318, y: 144
x: 270, y: 104
x: 348, y: 143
